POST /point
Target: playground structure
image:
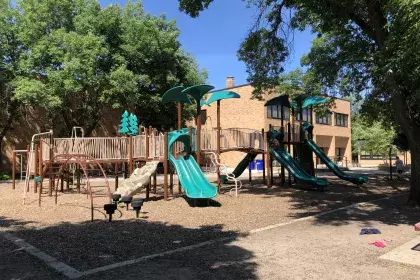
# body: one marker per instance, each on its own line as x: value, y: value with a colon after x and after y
x: 56, y: 158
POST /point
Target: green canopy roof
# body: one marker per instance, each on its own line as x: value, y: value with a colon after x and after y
x: 175, y: 94
x: 314, y: 100
x: 282, y: 100
x: 198, y: 91
x: 220, y: 95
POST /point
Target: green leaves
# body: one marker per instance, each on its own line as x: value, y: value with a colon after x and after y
x: 78, y: 60
x: 373, y: 138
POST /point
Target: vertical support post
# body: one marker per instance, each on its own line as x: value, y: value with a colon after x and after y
x: 282, y: 144
x: 130, y: 155
x: 165, y: 167
x: 116, y: 174
x: 190, y: 136
x: 154, y: 183
x: 147, y: 143
x: 179, y: 116
x: 51, y: 168
x: 28, y: 166
x: 218, y: 146
x: 263, y: 154
x: 268, y: 160
x: 35, y: 159
x: 62, y: 181
x: 78, y: 180
x: 68, y: 181
x: 14, y: 168
x: 250, y: 174
x: 171, y: 173
x: 198, y: 132
x: 41, y: 167
x: 148, y: 191
x: 288, y: 149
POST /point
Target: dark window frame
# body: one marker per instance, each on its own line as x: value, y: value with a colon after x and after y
x: 326, y: 119
x: 277, y: 109
x: 341, y: 120
x: 306, y: 115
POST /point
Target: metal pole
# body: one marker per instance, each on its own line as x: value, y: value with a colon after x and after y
x: 218, y: 145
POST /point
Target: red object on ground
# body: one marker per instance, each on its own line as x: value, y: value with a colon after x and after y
x: 417, y: 227
x: 379, y: 244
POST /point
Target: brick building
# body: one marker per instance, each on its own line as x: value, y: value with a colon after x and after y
x: 331, y: 132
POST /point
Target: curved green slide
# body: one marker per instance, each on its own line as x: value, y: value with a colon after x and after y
x: 355, y: 179
x: 282, y: 156
x: 193, y: 180
x: 242, y: 165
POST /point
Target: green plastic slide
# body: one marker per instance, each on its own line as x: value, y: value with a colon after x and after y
x: 242, y: 165
x: 355, y: 179
x: 282, y: 156
x: 194, y: 182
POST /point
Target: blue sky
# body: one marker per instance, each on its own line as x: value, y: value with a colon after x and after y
x: 214, y: 37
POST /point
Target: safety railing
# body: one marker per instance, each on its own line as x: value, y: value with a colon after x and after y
x: 98, y: 148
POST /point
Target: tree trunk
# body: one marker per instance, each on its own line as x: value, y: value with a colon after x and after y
x: 414, y: 197
x: 412, y: 131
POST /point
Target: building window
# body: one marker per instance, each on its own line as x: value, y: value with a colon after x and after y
x: 306, y: 114
x: 372, y: 156
x: 274, y: 112
x: 341, y: 119
x: 325, y: 119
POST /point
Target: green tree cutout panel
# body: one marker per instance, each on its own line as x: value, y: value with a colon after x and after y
x: 129, y: 124
x: 133, y: 125
x: 124, y: 124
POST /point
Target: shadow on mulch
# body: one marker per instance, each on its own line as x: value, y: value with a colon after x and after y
x: 90, y: 245
x: 340, y: 194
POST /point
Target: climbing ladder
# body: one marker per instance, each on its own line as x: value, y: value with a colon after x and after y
x: 31, y: 164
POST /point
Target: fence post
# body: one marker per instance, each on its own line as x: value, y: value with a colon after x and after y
x: 147, y: 143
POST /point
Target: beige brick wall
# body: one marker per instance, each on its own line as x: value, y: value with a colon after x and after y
x: 250, y: 113
x: 237, y: 113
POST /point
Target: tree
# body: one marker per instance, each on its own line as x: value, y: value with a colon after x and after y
x: 10, y: 54
x: 372, y: 138
x: 363, y: 47
x: 90, y: 60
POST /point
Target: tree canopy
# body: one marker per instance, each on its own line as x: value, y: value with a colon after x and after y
x: 78, y: 60
x: 363, y: 47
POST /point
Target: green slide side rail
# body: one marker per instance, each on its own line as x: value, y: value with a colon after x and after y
x: 355, y: 179
x: 193, y: 180
x: 287, y: 161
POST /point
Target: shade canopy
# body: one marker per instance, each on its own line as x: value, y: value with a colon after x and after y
x: 282, y: 100
x: 220, y: 95
x: 197, y: 91
x: 314, y: 100
x: 175, y: 94
x: 203, y: 102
